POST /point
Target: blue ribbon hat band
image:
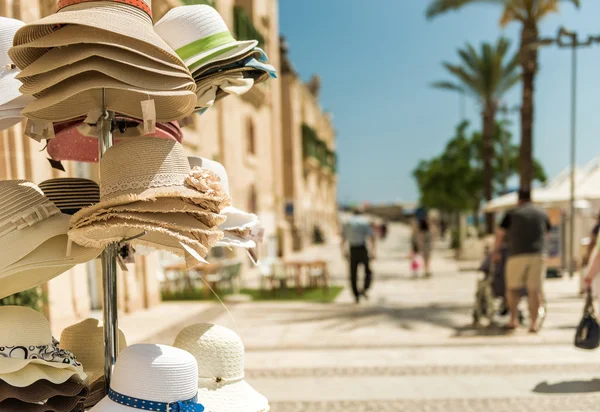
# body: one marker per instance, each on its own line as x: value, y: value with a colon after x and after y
x: 190, y: 405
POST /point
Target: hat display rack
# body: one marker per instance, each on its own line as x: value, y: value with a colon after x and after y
x: 191, y: 209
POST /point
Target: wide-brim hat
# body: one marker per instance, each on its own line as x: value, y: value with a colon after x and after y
x: 49, y: 52
x: 231, y: 240
x: 42, y: 390
x: 28, y: 352
x: 201, y: 73
x: 199, y: 35
x: 8, y: 72
x: 165, y: 205
x: 162, y: 171
x: 125, y: 73
x: 126, y: 19
x: 43, y: 264
x: 86, y: 341
x: 82, y: 94
x: 71, y: 194
x: 220, y: 355
x: 78, y: 141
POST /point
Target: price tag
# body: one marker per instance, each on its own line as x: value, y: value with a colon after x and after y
x: 149, y: 116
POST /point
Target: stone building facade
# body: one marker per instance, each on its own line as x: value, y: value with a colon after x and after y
x: 247, y: 134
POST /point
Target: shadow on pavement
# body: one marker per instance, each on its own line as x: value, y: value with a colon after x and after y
x: 569, y: 387
x: 470, y: 331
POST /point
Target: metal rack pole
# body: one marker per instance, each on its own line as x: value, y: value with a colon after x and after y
x: 109, y: 264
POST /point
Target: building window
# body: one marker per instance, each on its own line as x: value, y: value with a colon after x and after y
x: 244, y: 27
x: 252, y: 200
x: 251, y: 137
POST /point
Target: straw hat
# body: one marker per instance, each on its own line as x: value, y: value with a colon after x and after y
x: 71, y: 194
x: 28, y: 353
x: 86, y: 341
x: 82, y: 94
x: 126, y: 18
x: 77, y: 141
x: 199, y: 35
x: 220, y: 355
x: 33, y: 238
x: 156, y: 374
x: 125, y: 73
x: 162, y: 171
x: 242, y: 229
x: 46, y: 53
x: 41, y: 391
x: 210, y: 68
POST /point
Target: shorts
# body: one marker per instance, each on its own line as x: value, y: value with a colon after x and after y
x: 525, y: 272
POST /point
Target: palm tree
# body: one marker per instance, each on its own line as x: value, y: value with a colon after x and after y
x: 529, y: 13
x: 486, y: 76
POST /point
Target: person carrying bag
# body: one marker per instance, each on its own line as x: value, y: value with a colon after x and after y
x: 588, y: 331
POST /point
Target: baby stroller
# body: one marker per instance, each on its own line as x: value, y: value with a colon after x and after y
x: 485, y: 305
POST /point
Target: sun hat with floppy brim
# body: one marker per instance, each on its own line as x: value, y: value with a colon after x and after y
x: 162, y: 171
x: 43, y: 264
x: 124, y: 73
x: 47, y: 53
x: 72, y: 142
x: 28, y: 352
x: 71, y: 194
x: 82, y: 94
x: 166, y: 205
x: 199, y: 36
x: 219, y: 353
x: 153, y: 373
x: 40, y: 391
x: 200, y: 73
x: 86, y: 341
x: 125, y: 20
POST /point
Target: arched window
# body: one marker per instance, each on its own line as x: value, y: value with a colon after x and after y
x: 250, y: 137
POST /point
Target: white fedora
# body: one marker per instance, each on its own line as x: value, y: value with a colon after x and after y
x: 199, y: 35
x: 152, y: 378
x: 241, y: 229
x: 28, y: 353
x: 220, y: 355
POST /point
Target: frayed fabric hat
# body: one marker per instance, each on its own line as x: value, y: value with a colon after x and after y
x: 219, y: 353
x: 131, y: 19
x: 71, y: 194
x: 153, y: 377
x: 199, y: 35
x: 28, y: 353
x: 86, y: 341
x: 78, y: 141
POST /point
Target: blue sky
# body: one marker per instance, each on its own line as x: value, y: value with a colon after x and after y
x: 377, y: 59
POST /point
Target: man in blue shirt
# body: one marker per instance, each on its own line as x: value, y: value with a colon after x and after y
x: 357, y: 232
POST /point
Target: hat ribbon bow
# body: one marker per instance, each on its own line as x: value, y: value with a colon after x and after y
x: 190, y: 405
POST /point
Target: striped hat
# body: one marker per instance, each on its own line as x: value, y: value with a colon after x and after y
x: 71, y: 194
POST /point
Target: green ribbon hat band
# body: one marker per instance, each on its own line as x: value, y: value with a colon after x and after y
x: 205, y: 44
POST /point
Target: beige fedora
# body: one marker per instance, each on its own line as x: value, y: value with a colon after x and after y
x: 86, y: 341
x: 145, y: 169
x: 81, y: 94
x: 125, y: 73
x: 128, y: 19
x: 79, y: 38
x: 63, y: 56
x: 165, y: 205
x: 28, y: 353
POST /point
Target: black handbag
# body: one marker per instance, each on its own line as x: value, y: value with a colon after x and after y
x: 588, y: 331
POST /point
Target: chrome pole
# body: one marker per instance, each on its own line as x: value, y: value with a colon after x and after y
x: 109, y: 264
x: 573, y: 155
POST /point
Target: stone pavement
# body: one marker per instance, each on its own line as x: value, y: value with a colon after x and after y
x: 409, y: 348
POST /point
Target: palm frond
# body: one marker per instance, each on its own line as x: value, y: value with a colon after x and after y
x: 437, y: 7
x: 448, y: 86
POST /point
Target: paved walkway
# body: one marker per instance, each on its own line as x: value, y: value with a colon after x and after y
x: 410, y: 348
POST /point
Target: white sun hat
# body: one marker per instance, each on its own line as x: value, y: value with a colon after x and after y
x: 28, y: 353
x: 199, y: 36
x: 9, y: 85
x: 220, y: 355
x: 152, y: 378
x: 241, y: 229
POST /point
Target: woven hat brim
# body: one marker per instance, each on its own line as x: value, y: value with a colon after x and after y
x: 234, y: 397
x: 156, y: 205
x: 198, y: 74
x: 102, y: 234
x: 237, y: 219
x: 40, y: 391
x: 63, y: 56
x: 121, y: 19
x: 44, y: 264
x: 35, y: 372
x: 82, y: 94
x: 9, y: 87
x: 221, y: 53
x: 20, y: 243
x: 125, y: 73
x: 175, y: 221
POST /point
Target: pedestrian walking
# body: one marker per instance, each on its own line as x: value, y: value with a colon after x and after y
x: 425, y: 242
x: 526, y: 228
x: 358, y: 243
x: 588, y: 253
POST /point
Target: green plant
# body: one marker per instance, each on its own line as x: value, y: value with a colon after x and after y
x: 32, y: 298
